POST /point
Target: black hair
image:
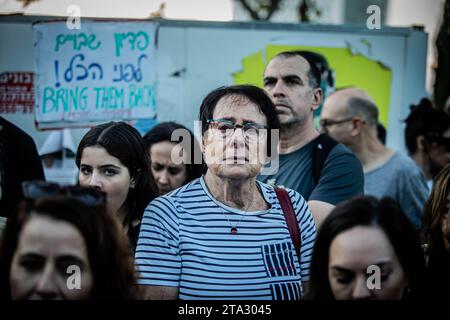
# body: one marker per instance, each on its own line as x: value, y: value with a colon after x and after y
x: 163, y: 132
x: 314, y: 74
x: 253, y: 94
x: 367, y: 211
x: 424, y: 120
x: 381, y: 133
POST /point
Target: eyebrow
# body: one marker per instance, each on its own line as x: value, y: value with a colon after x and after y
x: 109, y: 166
x: 72, y: 259
x: 234, y: 120
x: 101, y: 167
x: 345, y: 270
x: 286, y: 77
x: 31, y: 255
x: 66, y: 258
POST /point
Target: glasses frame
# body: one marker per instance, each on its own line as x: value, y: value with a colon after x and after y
x: 326, y: 123
x: 245, y: 127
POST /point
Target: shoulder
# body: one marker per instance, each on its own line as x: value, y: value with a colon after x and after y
x: 341, y: 150
x: 189, y: 189
x: 403, y: 166
x: 341, y: 157
x: 405, y: 162
x: 171, y: 200
x: 297, y: 200
x: 270, y: 189
x: 11, y: 130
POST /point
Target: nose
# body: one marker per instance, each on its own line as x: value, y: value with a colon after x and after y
x: 162, y: 177
x: 46, y: 287
x: 237, y: 147
x: 238, y: 138
x: 278, y: 90
x: 360, y: 290
x: 95, y: 181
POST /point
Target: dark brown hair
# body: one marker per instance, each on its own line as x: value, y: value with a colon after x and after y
x: 109, y: 255
x: 367, y: 211
x: 125, y: 143
x: 434, y: 210
x: 163, y: 132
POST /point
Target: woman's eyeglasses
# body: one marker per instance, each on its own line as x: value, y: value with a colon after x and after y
x: 41, y: 189
x: 227, y: 127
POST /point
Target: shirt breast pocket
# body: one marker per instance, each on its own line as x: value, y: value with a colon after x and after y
x: 279, y: 259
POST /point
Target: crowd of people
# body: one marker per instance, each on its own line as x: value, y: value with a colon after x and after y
x: 169, y: 216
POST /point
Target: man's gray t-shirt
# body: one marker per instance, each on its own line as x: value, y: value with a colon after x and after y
x: 341, y: 177
x: 400, y: 179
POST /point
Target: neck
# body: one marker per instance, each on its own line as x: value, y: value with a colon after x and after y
x: 422, y: 161
x: 241, y: 194
x: 371, y: 152
x: 296, y: 136
x: 121, y: 215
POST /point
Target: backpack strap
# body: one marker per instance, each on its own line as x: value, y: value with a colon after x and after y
x: 289, y: 216
x: 322, y: 146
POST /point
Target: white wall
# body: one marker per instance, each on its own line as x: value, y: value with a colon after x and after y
x: 405, y: 13
x: 17, y: 54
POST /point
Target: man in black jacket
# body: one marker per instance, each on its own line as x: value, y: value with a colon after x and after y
x: 19, y: 161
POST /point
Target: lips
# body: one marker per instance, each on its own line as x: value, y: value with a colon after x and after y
x: 235, y: 159
x: 281, y: 107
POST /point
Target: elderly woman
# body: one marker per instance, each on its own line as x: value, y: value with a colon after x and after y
x: 225, y: 235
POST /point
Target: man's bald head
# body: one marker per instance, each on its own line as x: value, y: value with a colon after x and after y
x: 354, y: 102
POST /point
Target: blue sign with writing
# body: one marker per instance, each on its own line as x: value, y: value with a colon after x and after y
x: 101, y: 72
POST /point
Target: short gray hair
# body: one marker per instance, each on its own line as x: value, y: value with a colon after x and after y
x: 363, y: 108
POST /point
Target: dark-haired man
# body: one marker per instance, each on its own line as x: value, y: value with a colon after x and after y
x: 427, y: 137
x: 323, y: 171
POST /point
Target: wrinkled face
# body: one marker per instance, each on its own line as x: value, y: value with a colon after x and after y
x: 102, y: 171
x: 335, y: 121
x: 351, y: 254
x: 40, y: 266
x: 287, y: 83
x: 445, y: 225
x: 168, y: 175
x: 235, y: 154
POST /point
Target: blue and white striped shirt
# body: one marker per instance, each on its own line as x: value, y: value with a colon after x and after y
x: 185, y: 241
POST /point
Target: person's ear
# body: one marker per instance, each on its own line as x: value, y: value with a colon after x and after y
x: 357, y: 126
x: 421, y: 144
x: 317, y: 96
x: 134, y: 178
